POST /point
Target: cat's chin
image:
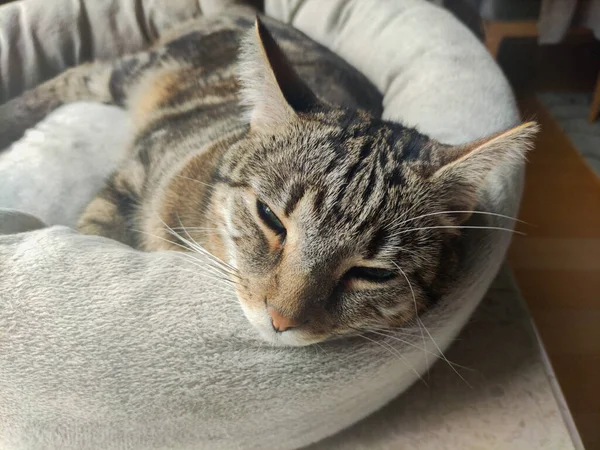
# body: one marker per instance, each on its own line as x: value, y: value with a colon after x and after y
x: 286, y: 339
x: 260, y: 320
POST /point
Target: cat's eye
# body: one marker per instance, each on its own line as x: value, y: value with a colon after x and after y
x: 374, y: 274
x: 269, y: 218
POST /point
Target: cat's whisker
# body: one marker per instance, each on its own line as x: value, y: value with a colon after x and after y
x: 195, y: 229
x: 210, y: 186
x: 423, y: 327
x: 408, y: 213
x: 199, y: 232
x: 403, y: 249
x: 198, y: 263
x: 444, y: 357
x: 220, y: 268
x: 441, y: 353
x: 410, y: 210
x: 404, y: 341
x: 210, y: 264
x: 391, y: 336
x: 217, y: 280
x: 439, y: 213
x: 161, y: 238
x: 215, y: 285
x: 388, y: 224
x: 179, y: 245
x: 416, y: 313
x: 205, y: 266
x: 396, y: 353
x: 404, y: 331
x: 320, y: 347
x: 201, y: 249
x: 458, y: 227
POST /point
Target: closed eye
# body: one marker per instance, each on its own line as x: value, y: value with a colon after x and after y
x: 373, y: 274
x: 270, y: 219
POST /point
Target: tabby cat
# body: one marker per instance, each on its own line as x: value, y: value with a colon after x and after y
x: 325, y: 218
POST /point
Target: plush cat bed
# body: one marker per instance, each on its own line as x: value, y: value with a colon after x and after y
x: 106, y: 347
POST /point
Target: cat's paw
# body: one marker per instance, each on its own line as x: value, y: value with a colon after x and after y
x: 101, y: 217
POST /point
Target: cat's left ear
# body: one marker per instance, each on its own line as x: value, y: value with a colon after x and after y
x: 462, y: 170
x: 271, y: 89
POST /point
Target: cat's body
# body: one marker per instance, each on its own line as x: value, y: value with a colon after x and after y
x: 329, y: 220
x: 183, y: 96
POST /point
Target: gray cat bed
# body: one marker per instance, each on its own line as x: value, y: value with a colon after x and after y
x: 104, y: 347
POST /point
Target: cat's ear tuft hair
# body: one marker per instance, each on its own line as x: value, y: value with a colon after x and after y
x: 271, y: 89
x: 464, y: 168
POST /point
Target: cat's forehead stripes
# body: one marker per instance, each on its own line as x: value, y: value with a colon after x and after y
x: 295, y: 194
x: 351, y: 173
x: 375, y: 243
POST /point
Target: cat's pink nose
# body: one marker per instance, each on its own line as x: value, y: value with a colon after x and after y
x: 281, y: 323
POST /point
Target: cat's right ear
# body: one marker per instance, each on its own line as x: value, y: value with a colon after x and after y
x: 271, y: 89
x: 464, y: 168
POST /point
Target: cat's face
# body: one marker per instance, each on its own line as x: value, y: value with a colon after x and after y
x: 319, y: 219
x: 337, y: 221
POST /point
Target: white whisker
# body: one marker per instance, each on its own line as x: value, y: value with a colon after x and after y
x: 194, y: 246
x: 225, y: 288
x: 218, y: 280
x: 161, y: 238
x: 417, y: 347
x: 403, y: 215
x: 396, y: 353
x: 320, y: 347
x: 197, y: 181
x: 405, y: 330
x: 446, y: 359
x: 194, y: 229
x: 403, y: 249
x: 198, y: 263
x: 198, y: 248
x: 462, y: 212
x: 430, y: 336
x: 180, y: 253
x: 416, y: 313
x: 457, y: 227
x: 404, y: 341
x: 211, y: 263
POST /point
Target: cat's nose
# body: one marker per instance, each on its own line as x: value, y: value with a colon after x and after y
x: 280, y: 322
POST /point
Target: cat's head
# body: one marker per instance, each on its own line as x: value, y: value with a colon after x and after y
x: 338, y: 221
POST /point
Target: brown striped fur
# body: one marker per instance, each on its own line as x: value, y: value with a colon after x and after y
x: 301, y: 133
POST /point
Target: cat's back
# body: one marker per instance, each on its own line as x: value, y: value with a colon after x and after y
x: 211, y: 45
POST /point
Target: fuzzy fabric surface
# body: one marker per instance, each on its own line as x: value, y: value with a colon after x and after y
x: 104, y: 347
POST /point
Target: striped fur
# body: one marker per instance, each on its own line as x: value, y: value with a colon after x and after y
x: 214, y: 137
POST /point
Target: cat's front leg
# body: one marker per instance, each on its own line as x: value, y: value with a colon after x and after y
x: 112, y: 212
x: 102, y: 218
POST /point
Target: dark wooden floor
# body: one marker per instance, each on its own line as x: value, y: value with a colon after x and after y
x: 557, y: 265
